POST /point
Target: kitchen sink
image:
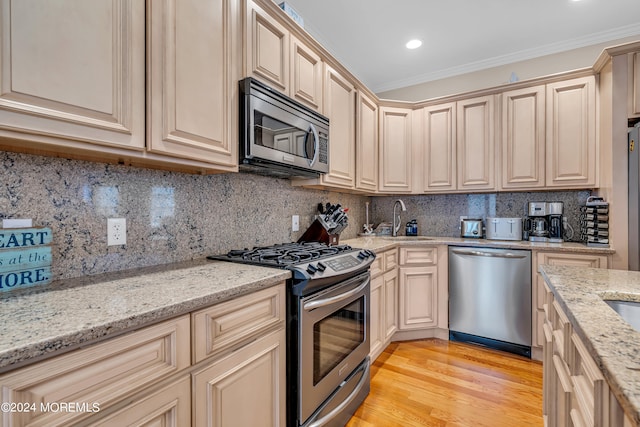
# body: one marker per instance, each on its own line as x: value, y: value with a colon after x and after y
x: 628, y: 310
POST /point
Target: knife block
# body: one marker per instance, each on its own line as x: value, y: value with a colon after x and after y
x: 318, y: 233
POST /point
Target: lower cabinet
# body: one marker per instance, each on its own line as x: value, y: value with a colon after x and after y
x: 244, y: 388
x: 423, y: 287
x: 220, y: 366
x: 553, y: 258
x: 574, y: 389
x: 383, y: 301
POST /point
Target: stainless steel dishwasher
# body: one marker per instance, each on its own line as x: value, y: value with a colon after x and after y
x: 490, y: 297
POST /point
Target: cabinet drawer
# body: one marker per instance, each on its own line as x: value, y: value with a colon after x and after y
x: 235, y: 322
x: 390, y: 260
x: 561, y: 331
x: 103, y: 373
x: 589, y: 386
x: 377, y: 266
x: 414, y: 256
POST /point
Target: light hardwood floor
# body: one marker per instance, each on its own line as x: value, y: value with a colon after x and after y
x: 441, y: 383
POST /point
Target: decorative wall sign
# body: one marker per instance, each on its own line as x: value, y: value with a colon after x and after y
x: 25, y: 257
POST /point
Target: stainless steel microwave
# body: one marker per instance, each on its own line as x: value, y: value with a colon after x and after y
x: 279, y: 136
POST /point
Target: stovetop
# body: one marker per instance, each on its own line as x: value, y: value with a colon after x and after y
x: 310, y: 262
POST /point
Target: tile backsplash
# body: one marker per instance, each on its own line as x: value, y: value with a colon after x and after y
x: 170, y: 216
x: 176, y: 217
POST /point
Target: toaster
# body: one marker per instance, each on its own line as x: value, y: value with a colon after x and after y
x: 504, y: 228
x: 471, y: 227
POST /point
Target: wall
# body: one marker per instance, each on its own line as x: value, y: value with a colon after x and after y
x: 439, y: 215
x: 538, y: 67
x: 170, y: 216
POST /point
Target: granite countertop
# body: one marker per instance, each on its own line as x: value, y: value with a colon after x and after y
x: 70, y: 313
x: 382, y: 243
x: 612, y: 342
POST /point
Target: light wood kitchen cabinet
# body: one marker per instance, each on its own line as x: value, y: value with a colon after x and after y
x: 169, y: 406
x: 103, y: 373
x: 395, y: 150
x: 634, y: 85
x: 383, y: 301
x: 439, y: 148
x: 340, y: 107
x: 418, y: 287
x: 192, y: 80
x: 571, y: 133
x: 77, y: 82
x: 575, y: 392
x: 366, y: 144
x: 476, y: 143
x: 245, y: 388
x: 539, y: 292
x: 523, y: 138
x: 278, y: 58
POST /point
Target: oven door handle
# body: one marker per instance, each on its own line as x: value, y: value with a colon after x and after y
x: 308, y: 306
x: 335, y: 411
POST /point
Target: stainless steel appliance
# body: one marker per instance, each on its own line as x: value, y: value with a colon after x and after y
x: 471, y: 227
x: 504, y: 229
x: 327, y: 327
x: 279, y: 136
x: 634, y: 198
x: 544, y: 222
x: 490, y: 297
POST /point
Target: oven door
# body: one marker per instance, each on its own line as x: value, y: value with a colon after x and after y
x: 334, y: 340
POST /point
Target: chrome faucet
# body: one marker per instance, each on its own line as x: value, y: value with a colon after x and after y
x: 396, y: 218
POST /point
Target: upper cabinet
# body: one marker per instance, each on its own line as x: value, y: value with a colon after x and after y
x: 366, y: 143
x: 78, y: 86
x: 395, y: 150
x: 439, y: 147
x: 476, y: 143
x: 523, y: 138
x: 340, y: 107
x: 79, y: 81
x: 192, y: 79
x: 279, y: 59
x: 571, y: 133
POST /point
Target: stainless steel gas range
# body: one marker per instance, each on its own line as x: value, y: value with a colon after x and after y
x: 327, y: 327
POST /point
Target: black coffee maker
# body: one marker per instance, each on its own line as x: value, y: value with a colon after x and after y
x: 555, y: 211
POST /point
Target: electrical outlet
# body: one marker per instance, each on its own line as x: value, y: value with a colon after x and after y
x: 295, y: 223
x: 116, y: 231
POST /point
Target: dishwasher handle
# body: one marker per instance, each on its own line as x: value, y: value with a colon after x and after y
x: 489, y: 254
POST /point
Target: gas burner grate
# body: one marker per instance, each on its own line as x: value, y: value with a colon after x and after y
x: 287, y: 253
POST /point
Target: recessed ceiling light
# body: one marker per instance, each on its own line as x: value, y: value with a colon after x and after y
x: 413, y: 44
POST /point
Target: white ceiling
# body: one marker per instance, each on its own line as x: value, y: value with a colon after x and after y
x: 459, y: 36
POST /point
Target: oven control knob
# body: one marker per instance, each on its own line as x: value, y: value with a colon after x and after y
x: 363, y: 254
x: 321, y: 267
x: 311, y: 269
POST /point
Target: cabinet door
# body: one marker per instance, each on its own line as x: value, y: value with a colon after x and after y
x: 246, y: 388
x: 395, y: 150
x: 377, y: 317
x: 367, y: 144
x: 193, y: 80
x: 267, y: 48
x: 390, y: 304
x: 476, y: 144
x: 523, y: 133
x: 74, y: 70
x: 439, y: 141
x: 418, y: 297
x: 340, y: 108
x: 571, y: 133
x: 306, y: 75
x: 169, y: 406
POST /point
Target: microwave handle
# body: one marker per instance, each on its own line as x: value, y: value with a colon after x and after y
x: 316, y: 143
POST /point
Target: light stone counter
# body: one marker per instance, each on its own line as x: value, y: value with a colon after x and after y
x: 612, y: 342
x: 40, y: 322
x: 381, y: 243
